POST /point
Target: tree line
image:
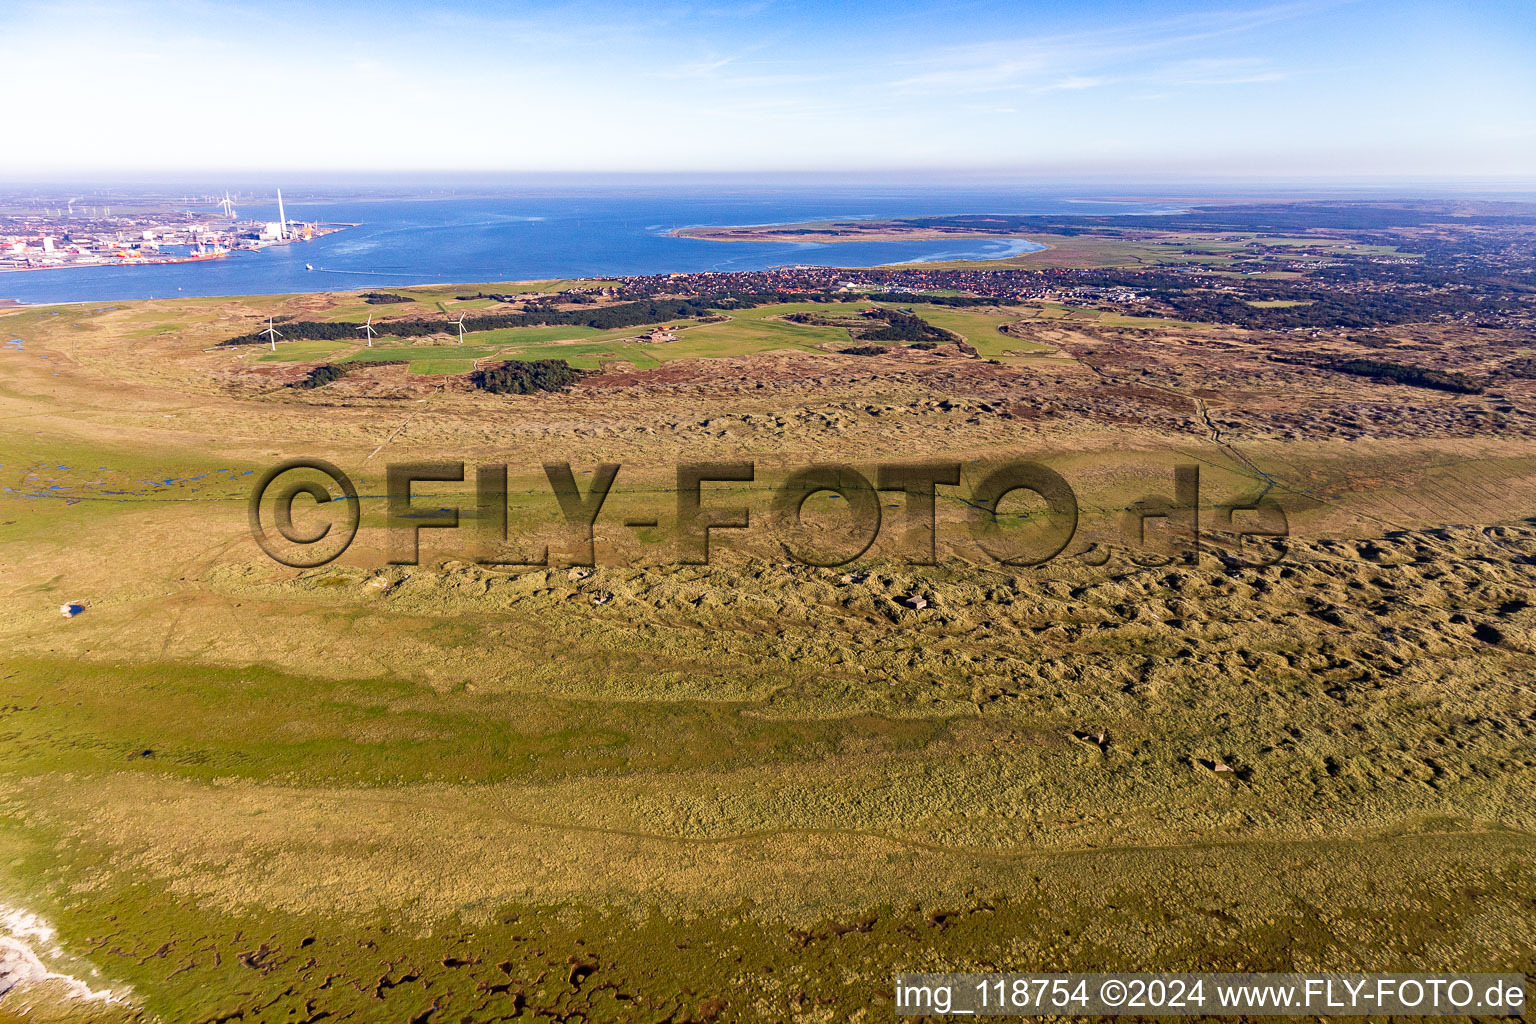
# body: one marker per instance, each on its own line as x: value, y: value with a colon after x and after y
x: 1413, y: 376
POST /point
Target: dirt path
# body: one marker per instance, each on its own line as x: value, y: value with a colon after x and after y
x: 1213, y: 434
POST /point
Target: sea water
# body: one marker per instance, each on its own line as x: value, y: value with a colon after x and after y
x: 512, y: 235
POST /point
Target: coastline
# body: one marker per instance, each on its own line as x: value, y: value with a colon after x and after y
x: 118, y: 263
x: 8, y: 305
x: 808, y: 232
x: 519, y: 238
x: 879, y: 231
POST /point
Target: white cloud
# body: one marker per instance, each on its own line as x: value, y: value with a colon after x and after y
x: 1218, y: 71
x: 1074, y: 82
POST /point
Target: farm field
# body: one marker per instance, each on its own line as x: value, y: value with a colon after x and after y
x: 647, y: 789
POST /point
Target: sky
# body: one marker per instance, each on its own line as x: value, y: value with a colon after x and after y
x: 1345, y: 90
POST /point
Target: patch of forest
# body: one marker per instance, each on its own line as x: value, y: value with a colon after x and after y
x: 903, y: 326
x: 524, y: 378
x: 1413, y: 376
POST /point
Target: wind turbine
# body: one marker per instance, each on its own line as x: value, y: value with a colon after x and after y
x: 459, y: 323
x: 227, y: 205
x: 369, y: 328
x: 272, y: 334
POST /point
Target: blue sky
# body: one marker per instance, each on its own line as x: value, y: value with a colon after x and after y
x: 1322, y: 89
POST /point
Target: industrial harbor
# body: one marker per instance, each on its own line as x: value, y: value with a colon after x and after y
x: 52, y: 237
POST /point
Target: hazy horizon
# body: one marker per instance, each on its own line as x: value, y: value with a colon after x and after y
x: 451, y: 182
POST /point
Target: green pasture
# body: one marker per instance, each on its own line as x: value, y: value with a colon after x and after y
x: 784, y: 308
x: 305, y: 351
x: 442, y: 366
x: 745, y: 335
x: 589, y: 356
x: 464, y: 305
x: 978, y: 325
x: 559, y: 332
x: 427, y: 353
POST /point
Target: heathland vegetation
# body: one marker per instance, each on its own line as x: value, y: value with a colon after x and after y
x: 503, y: 784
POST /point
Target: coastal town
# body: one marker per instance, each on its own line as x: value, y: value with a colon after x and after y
x: 51, y: 237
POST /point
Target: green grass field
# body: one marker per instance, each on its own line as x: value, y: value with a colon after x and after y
x: 442, y: 366
x: 979, y: 327
x: 415, y: 353
x: 305, y: 351
x: 744, y: 336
